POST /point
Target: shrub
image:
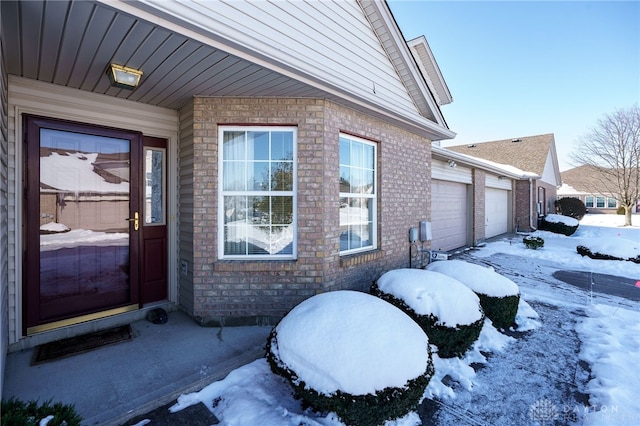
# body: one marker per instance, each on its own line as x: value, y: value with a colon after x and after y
x: 620, y: 210
x: 585, y: 251
x: 499, y: 296
x: 533, y: 243
x: 322, y: 348
x: 559, y: 224
x: 451, y: 341
x: 356, y: 410
x: 572, y: 207
x: 500, y: 310
x: 18, y: 413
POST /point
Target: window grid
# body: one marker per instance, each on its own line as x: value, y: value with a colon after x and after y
x: 589, y: 201
x: 358, y: 194
x: 257, y: 212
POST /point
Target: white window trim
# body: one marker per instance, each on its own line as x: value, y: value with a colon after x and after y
x: 592, y: 203
x: 222, y: 193
x: 374, y: 197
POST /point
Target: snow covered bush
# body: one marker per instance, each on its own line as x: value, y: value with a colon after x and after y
x: 447, y: 310
x: 611, y: 249
x: 559, y: 224
x: 499, y: 296
x: 533, y: 243
x: 353, y: 354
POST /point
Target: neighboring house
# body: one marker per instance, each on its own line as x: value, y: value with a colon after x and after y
x: 271, y: 151
x: 533, y: 154
x: 472, y: 199
x: 587, y: 185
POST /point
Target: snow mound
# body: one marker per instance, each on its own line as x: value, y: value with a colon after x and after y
x: 351, y: 342
x: 615, y: 247
x: 478, y: 278
x: 53, y: 227
x: 432, y: 293
x: 558, y: 218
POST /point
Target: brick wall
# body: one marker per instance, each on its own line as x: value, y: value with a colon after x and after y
x: 524, y: 206
x: 550, y: 196
x: 228, y: 290
x: 478, y: 205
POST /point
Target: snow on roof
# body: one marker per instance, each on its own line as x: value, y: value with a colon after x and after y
x: 478, y: 278
x: 348, y: 341
x: 74, y: 172
x: 433, y: 293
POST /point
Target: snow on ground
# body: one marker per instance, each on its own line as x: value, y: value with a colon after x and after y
x: 77, y: 237
x: 573, y: 359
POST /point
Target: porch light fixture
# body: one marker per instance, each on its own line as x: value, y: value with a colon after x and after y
x: 452, y: 163
x: 123, y: 77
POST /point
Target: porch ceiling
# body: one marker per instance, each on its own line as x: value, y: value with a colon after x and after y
x: 72, y: 43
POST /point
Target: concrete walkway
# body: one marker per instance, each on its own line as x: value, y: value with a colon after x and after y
x: 113, y: 384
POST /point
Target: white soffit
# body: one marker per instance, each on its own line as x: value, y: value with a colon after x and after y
x: 430, y: 69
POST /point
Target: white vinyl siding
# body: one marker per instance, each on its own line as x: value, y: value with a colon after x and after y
x: 442, y: 171
x: 299, y: 38
x: 4, y: 219
x: 449, y: 215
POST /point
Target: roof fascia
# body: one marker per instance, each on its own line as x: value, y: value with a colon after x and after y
x: 444, y: 154
x: 389, y: 34
x: 424, y: 55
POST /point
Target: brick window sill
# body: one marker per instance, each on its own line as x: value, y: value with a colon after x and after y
x: 360, y: 258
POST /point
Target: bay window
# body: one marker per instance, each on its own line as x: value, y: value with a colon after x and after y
x: 358, y: 193
x: 257, y: 201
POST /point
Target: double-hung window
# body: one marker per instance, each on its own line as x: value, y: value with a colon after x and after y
x: 358, y: 223
x: 612, y: 203
x: 257, y: 193
x: 589, y: 201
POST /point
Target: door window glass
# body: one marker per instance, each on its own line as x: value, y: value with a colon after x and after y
x: 84, y: 232
x: 154, y: 187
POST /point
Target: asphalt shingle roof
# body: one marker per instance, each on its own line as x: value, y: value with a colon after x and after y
x: 527, y: 153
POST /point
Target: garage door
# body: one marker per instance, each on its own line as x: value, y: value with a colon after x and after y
x: 448, y: 215
x: 496, y: 212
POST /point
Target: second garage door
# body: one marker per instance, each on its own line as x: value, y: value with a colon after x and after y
x: 448, y: 215
x: 496, y: 212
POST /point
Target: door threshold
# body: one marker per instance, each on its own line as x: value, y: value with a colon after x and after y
x: 83, y: 318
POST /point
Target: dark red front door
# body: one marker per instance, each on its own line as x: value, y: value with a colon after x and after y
x: 87, y: 223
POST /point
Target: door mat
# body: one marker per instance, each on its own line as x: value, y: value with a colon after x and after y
x: 80, y: 344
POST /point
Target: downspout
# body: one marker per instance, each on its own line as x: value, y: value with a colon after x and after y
x: 534, y: 228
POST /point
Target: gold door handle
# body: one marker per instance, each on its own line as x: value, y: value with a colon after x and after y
x: 136, y: 221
